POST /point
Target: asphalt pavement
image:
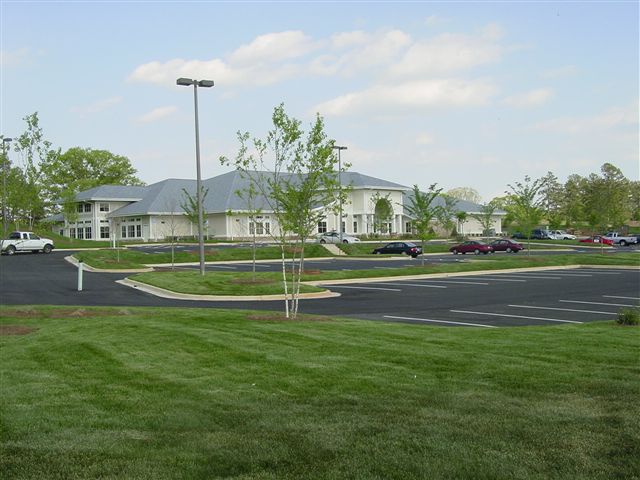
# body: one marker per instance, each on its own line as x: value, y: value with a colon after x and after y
x: 549, y: 297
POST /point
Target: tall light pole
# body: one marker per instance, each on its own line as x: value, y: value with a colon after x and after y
x: 186, y: 82
x: 340, y: 148
x: 5, y: 173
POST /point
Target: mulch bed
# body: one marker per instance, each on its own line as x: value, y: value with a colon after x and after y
x: 16, y: 330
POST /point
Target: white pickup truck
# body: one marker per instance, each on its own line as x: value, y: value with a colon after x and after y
x: 25, y: 242
x: 618, y: 239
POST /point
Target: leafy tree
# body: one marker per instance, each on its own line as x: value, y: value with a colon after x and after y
x: 573, y: 202
x: 447, y: 212
x: 526, y: 205
x: 634, y: 200
x: 461, y: 216
x: 465, y: 193
x: 485, y: 217
x: 34, y: 151
x: 294, y: 173
x: 383, y: 213
x: 423, y: 211
x: 553, y: 196
x: 79, y: 169
x: 189, y: 204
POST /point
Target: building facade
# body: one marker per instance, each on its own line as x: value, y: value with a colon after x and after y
x: 157, y: 212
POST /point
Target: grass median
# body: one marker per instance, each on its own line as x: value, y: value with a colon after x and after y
x: 203, y: 393
x: 242, y: 283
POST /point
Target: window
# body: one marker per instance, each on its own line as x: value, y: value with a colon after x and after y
x: 87, y: 207
x: 80, y: 232
x: 322, y: 227
x: 132, y: 231
x: 252, y: 228
x: 124, y: 231
x: 104, y: 207
x: 259, y: 228
x: 407, y: 227
x: 355, y: 227
x: 72, y: 233
x: 14, y: 236
x: 80, y: 208
x: 139, y: 231
x: 344, y: 227
x: 267, y: 228
x: 87, y: 233
x: 104, y: 232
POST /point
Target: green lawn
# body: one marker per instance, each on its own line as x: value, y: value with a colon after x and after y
x: 136, y: 259
x: 185, y: 393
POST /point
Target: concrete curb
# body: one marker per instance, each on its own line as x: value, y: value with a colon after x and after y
x: 89, y: 268
x: 161, y: 292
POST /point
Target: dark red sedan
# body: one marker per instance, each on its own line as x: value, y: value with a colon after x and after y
x: 471, y: 246
x: 597, y: 239
x: 506, y: 245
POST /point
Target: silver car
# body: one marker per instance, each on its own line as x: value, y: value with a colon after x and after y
x: 335, y: 237
x: 561, y: 235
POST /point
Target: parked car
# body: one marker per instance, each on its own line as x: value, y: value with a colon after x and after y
x: 562, y: 235
x: 471, y: 246
x: 622, y: 240
x: 537, y: 234
x: 406, y: 248
x: 597, y: 239
x: 506, y: 245
x: 334, y: 237
x: 26, y: 242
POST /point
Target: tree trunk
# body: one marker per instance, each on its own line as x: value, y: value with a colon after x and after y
x: 284, y: 281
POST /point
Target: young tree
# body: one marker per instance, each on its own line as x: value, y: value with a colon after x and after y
x: 526, y: 205
x: 251, y: 197
x: 423, y: 211
x: 461, y: 216
x: 447, y: 212
x: 295, y: 175
x: 485, y: 218
x: 189, y: 204
x: 383, y: 213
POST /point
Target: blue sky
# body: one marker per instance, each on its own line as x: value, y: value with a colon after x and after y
x: 475, y: 94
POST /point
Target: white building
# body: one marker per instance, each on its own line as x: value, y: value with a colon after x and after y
x: 155, y: 212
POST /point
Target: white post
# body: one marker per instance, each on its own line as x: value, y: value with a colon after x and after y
x: 80, y: 265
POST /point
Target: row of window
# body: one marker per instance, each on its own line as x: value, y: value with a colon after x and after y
x: 322, y: 227
x: 259, y: 228
x: 86, y: 207
x: 131, y: 231
x: 81, y: 233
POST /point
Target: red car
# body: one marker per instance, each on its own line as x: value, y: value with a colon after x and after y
x: 472, y: 246
x: 597, y: 239
x: 506, y: 245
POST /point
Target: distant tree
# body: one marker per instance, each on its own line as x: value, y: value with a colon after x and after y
x: 423, y: 212
x: 189, y: 204
x: 461, y: 216
x: 465, y: 193
x: 634, y: 200
x: 573, y: 210
x: 553, y: 196
x: 485, y: 218
x: 526, y: 205
x: 383, y: 213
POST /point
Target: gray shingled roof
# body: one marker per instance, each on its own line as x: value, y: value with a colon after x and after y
x: 460, y: 205
x: 112, y: 192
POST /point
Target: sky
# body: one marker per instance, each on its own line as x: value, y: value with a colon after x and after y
x: 474, y: 94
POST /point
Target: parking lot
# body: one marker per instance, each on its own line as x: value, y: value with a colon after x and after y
x: 550, y: 297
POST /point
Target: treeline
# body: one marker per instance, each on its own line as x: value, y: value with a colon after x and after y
x: 38, y: 176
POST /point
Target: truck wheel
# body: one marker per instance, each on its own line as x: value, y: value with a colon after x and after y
x: 47, y: 248
x: 10, y: 250
x: 623, y: 243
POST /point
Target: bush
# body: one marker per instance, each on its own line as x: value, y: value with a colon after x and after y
x: 629, y: 316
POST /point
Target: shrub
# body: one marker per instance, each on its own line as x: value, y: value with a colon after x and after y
x: 629, y: 316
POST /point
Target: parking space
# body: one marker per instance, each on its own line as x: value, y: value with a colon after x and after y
x: 501, y: 299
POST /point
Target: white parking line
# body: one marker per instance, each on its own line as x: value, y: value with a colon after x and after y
x: 601, y: 272
x: 410, y: 284
x: 598, y: 303
x: 441, y: 321
x: 526, y: 275
x: 365, y: 288
x: 513, y: 316
x: 455, y: 281
x: 562, y: 309
x: 502, y: 279
x: 624, y: 298
x: 569, y: 274
x: 222, y: 266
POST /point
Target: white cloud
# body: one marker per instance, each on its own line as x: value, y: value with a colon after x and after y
x: 410, y: 96
x: 273, y: 48
x: 449, y: 52
x: 157, y: 114
x: 561, y: 72
x: 15, y: 57
x: 97, y: 106
x: 532, y: 98
x: 612, y: 118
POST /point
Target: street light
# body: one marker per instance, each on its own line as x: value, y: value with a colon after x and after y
x: 186, y: 82
x: 340, y: 148
x: 5, y: 162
